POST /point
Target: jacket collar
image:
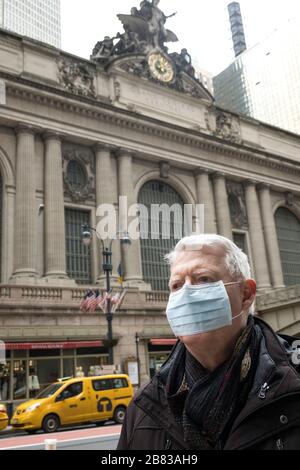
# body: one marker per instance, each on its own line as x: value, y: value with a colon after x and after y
x: 275, y: 380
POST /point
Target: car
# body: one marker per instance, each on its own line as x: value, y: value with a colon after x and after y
x: 76, y: 401
x: 3, y: 417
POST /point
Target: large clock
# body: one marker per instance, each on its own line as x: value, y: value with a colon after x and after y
x: 161, y: 68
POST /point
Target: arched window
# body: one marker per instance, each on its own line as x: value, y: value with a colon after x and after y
x: 288, y: 233
x: 158, y: 236
x: 1, y: 213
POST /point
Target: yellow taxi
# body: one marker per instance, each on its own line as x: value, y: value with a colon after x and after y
x: 76, y: 401
x: 3, y: 417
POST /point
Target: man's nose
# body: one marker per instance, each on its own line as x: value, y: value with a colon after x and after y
x: 187, y: 281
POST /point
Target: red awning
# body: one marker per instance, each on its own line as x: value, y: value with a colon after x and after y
x: 57, y: 345
x: 163, y: 342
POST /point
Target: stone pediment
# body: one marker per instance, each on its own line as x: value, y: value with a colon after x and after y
x: 182, y: 82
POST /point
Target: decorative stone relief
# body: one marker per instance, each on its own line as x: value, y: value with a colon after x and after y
x: 85, y: 158
x: 227, y: 127
x: 237, y: 204
x: 164, y: 168
x: 289, y: 199
x: 77, y: 78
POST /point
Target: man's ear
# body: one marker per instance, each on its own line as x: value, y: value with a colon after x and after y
x: 249, y: 292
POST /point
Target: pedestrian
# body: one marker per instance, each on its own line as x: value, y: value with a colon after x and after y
x: 230, y: 381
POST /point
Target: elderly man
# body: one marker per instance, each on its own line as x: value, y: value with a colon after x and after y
x: 229, y: 382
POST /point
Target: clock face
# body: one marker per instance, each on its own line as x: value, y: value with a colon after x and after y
x: 161, y: 68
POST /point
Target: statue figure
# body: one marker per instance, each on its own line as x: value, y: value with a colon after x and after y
x: 103, y: 49
x: 183, y: 61
x: 149, y: 24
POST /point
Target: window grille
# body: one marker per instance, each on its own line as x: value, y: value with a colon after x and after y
x: 155, y: 270
x: 78, y: 256
x: 288, y: 233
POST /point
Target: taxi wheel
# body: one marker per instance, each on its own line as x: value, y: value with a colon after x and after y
x: 51, y: 423
x: 119, y: 414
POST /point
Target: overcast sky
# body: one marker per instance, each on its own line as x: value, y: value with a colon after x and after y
x: 201, y: 26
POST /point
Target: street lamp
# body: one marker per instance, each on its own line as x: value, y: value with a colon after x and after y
x: 137, y: 340
x: 107, y: 268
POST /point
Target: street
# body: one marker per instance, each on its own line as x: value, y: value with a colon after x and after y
x: 104, y: 438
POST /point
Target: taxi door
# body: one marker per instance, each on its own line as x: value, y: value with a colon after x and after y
x: 102, y: 398
x: 73, y: 403
x: 122, y: 393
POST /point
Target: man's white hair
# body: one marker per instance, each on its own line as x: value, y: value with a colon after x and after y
x: 236, y: 260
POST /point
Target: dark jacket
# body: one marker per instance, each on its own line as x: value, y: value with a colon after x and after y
x: 270, y: 419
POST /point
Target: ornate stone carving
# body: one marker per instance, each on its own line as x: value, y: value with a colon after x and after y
x: 164, y: 168
x: 185, y: 84
x: 278, y: 297
x: 237, y: 204
x: 117, y: 88
x: 143, y: 45
x: 85, y: 158
x: 77, y: 78
x: 227, y: 127
x: 289, y: 199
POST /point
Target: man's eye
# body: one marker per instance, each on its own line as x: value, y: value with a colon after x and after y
x: 203, y: 280
x: 176, y: 286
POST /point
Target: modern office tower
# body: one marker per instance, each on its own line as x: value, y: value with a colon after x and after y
x: 237, y: 28
x: 37, y: 19
x: 263, y: 81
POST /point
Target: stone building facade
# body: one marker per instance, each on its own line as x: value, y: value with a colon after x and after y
x: 74, y: 135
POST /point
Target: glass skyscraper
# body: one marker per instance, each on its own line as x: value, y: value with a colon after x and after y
x: 264, y: 81
x: 38, y: 19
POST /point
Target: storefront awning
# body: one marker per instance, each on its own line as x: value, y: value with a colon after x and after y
x: 57, y: 345
x: 163, y: 342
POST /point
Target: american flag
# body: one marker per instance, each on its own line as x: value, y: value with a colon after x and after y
x: 93, y: 302
x: 85, y: 300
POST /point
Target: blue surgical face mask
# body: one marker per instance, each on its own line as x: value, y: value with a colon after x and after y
x: 200, y: 308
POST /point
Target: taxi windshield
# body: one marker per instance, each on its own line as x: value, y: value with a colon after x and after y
x: 49, y: 391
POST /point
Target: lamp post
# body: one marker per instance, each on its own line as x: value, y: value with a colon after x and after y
x: 107, y: 269
x: 137, y: 340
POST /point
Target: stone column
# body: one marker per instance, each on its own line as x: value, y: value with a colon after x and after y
x: 270, y: 233
x: 107, y: 193
x: 205, y: 196
x: 258, y: 248
x: 131, y: 255
x: 55, y: 239
x: 222, y: 207
x: 26, y: 210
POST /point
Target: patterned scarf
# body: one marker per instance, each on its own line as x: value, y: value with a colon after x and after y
x: 206, y: 404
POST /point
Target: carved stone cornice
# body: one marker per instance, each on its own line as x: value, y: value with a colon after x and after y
x: 101, y: 111
x: 278, y: 297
